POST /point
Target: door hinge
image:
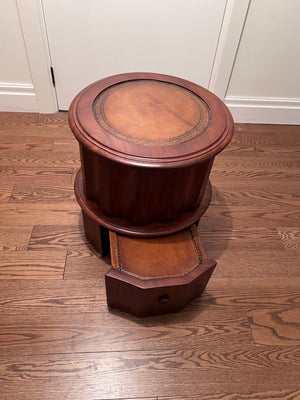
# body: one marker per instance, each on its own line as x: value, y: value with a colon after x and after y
x: 52, y: 75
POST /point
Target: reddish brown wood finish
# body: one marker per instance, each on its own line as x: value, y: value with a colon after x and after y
x: 157, y: 276
x: 147, y: 144
x: 155, y: 297
x: 92, y: 210
x: 96, y: 234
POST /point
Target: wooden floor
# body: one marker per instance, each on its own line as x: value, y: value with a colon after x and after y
x: 58, y: 339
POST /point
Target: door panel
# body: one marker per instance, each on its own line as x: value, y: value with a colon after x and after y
x: 92, y: 39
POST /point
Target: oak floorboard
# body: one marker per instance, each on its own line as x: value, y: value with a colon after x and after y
x: 6, y: 189
x: 28, y: 264
x: 34, y: 214
x: 55, y: 119
x: 249, y: 197
x: 52, y: 296
x: 125, y: 376
x: 265, y: 395
x: 45, y: 176
x: 13, y: 118
x: 42, y: 159
x: 80, y: 267
x: 58, y: 338
x: 259, y: 150
x: 40, y: 193
x: 248, y: 264
x: 29, y: 334
x: 276, y: 326
x: 26, y: 144
x: 14, y: 238
x: 290, y: 237
x: 36, y: 130
x: 61, y: 144
x: 282, y: 293
x: 66, y: 237
x: 243, y: 217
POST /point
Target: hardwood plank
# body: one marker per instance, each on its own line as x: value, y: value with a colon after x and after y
x: 241, y: 293
x: 249, y: 197
x: 40, y: 159
x: 31, y: 175
x: 29, y: 264
x: 289, y: 394
x: 34, y: 214
x: 80, y: 267
x: 262, y: 129
x: 24, y: 130
x: 63, y: 143
x: 19, y: 143
x: 40, y: 193
x: 248, y: 264
x: 266, y: 134
x: 276, y: 326
x: 258, y: 152
x: 166, y: 360
x: 8, y: 118
x: 290, y: 237
x: 33, y: 334
x: 52, y: 296
x: 133, y: 374
x: 275, y: 162
x: 56, y: 237
x: 244, y: 217
x: 235, y: 237
x: 6, y: 189
x: 55, y: 119
x: 254, y: 174
x: 14, y: 238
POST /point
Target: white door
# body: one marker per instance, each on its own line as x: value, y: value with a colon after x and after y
x: 91, y: 39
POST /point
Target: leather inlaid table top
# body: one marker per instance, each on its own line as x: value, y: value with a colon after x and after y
x: 143, y: 118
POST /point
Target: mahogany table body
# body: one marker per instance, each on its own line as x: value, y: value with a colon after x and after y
x: 147, y: 145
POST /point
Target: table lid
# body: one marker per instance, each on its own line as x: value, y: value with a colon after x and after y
x: 150, y: 119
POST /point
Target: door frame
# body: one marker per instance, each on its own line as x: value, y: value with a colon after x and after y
x: 39, y: 57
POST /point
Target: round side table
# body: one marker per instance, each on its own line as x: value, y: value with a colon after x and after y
x: 147, y: 145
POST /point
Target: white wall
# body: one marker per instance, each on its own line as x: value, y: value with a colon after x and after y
x: 16, y: 88
x: 264, y: 85
x: 265, y: 81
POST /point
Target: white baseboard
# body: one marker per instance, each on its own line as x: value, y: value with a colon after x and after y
x: 264, y: 110
x: 17, y: 97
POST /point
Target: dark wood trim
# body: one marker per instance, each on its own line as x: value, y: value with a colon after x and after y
x: 122, y: 226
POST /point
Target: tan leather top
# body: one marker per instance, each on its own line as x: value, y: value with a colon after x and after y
x: 167, y: 256
x: 151, y: 112
x: 154, y: 120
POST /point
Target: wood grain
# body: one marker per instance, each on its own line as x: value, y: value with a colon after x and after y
x: 14, y: 238
x: 51, y: 237
x: 58, y: 339
x: 290, y: 237
x: 26, y: 264
x: 51, y: 296
x: 265, y: 395
x: 106, y: 376
x: 276, y: 326
x: 29, y: 334
x: 35, y: 214
x: 37, y: 158
x: 46, y: 176
x: 41, y: 193
x: 26, y: 144
x: 6, y: 189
